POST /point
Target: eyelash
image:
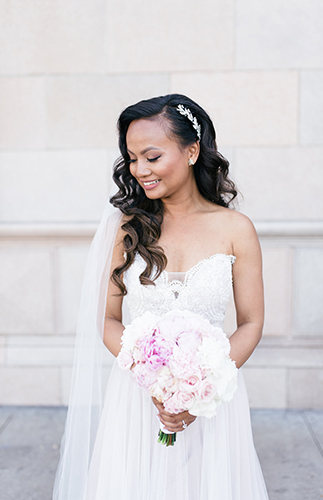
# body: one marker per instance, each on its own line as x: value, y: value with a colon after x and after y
x: 153, y: 159
x: 148, y: 159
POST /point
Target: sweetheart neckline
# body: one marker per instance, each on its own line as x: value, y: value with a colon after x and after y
x: 199, y: 263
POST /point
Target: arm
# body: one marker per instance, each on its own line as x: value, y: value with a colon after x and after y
x: 113, y: 328
x: 248, y: 290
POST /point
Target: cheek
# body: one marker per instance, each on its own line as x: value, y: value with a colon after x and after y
x: 132, y: 169
x: 175, y: 168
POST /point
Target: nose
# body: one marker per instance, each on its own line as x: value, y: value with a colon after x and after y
x: 142, y: 168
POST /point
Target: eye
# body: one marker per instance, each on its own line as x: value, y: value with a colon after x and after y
x: 153, y: 159
x: 131, y: 161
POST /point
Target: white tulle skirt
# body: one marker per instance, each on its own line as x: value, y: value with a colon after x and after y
x: 213, y: 459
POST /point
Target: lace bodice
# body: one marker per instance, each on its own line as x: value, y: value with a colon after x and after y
x: 204, y: 289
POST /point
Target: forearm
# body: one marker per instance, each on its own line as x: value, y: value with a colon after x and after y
x: 244, y: 341
x: 113, y: 330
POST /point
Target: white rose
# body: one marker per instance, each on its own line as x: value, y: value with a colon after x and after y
x: 157, y: 392
x: 166, y: 379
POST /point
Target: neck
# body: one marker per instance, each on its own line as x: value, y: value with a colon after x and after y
x: 184, y: 203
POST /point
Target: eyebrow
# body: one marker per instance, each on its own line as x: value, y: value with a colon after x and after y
x: 145, y: 150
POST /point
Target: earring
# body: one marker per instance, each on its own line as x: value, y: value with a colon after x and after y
x: 190, y: 162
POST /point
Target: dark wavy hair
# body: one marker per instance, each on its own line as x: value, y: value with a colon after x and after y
x: 145, y: 216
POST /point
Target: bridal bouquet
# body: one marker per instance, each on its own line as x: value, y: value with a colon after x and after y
x: 182, y: 360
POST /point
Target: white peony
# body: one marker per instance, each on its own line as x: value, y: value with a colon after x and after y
x: 200, y: 409
x: 211, y: 352
x: 139, y: 328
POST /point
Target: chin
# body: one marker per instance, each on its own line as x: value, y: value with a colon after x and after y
x: 153, y: 196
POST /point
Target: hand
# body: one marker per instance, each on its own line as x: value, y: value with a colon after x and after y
x: 173, y: 421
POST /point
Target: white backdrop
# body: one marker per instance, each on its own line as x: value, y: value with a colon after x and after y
x: 67, y: 69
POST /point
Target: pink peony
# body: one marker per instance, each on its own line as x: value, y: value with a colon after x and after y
x: 138, y: 356
x: 172, y: 324
x: 143, y: 375
x: 183, y: 363
x: 189, y: 340
x: 156, y: 351
x: 125, y: 360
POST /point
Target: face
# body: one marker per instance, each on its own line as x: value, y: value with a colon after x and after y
x: 158, y: 163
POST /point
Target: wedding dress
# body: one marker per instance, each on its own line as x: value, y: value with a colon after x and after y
x: 213, y: 459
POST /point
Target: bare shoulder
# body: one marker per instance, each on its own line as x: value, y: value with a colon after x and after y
x: 244, y: 237
x: 240, y: 223
x: 242, y: 232
x: 234, y: 221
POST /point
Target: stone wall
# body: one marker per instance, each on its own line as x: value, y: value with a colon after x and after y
x: 67, y: 68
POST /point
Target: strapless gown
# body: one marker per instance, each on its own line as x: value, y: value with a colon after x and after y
x: 214, y: 458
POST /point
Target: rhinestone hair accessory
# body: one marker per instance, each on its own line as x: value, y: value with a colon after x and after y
x: 188, y: 113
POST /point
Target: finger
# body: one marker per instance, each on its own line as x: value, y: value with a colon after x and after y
x: 171, y: 426
x: 166, y: 421
x: 170, y: 416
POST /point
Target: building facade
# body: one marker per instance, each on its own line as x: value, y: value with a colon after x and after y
x: 67, y: 69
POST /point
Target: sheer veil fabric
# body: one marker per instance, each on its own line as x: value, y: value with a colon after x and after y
x: 85, y: 403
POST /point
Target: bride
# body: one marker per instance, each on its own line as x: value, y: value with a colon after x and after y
x: 172, y: 242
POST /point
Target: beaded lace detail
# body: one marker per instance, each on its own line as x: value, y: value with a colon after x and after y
x: 205, y: 289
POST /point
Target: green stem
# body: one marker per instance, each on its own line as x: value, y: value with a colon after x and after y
x: 167, y: 439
